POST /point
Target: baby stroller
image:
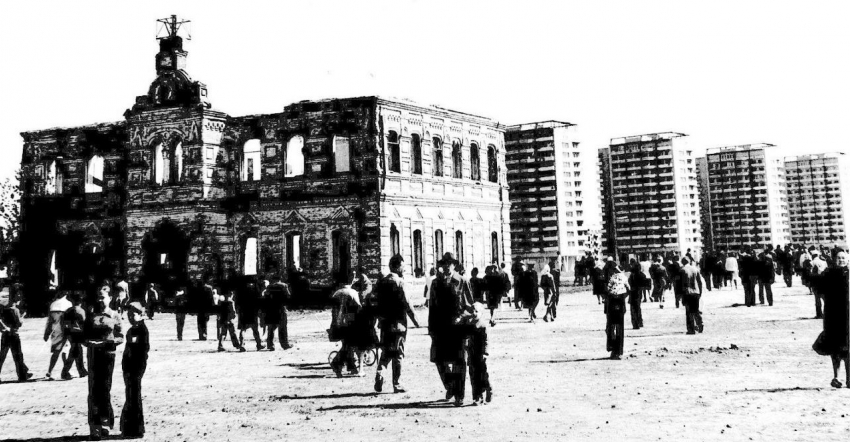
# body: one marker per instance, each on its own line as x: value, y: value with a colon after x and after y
x: 370, y: 354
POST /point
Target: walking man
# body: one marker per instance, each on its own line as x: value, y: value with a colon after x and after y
x: 692, y: 291
x: 74, y: 321
x: 277, y: 295
x: 10, y: 322
x: 134, y: 363
x: 393, y: 311
x: 767, y: 276
x: 54, y: 331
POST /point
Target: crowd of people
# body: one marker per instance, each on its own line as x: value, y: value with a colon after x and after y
x: 373, y: 316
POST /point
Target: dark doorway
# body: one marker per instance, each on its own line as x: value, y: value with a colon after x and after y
x: 166, y: 251
x: 341, y: 256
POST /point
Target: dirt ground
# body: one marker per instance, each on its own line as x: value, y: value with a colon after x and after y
x: 751, y: 376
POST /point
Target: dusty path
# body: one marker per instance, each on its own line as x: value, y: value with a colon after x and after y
x: 550, y: 379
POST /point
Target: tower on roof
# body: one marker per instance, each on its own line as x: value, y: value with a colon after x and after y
x: 171, y: 55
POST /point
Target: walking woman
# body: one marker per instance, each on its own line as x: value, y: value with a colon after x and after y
x: 495, y: 291
x: 618, y: 290
x: 835, y: 339
x: 103, y: 335
x: 550, y: 294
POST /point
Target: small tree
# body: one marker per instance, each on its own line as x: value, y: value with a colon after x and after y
x: 10, y: 217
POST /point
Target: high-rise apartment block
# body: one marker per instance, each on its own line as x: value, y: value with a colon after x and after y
x: 819, y: 198
x: 747, y: 197
x: 650, y: 202
x: 549, y: 176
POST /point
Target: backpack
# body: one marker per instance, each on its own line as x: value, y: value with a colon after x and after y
x: 618, y: 286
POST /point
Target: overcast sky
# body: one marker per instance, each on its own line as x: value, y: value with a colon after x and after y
x: 723, y: 72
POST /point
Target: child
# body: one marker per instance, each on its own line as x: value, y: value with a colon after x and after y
x: 478, y: 376
x: 226, y: 315
x: 134, y: 363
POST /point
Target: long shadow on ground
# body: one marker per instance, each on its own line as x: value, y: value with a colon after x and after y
x: 572, y: 360
x: 396, y: 406
x: 775, y: 390
x: 322, y: 396
x: 63, y: 438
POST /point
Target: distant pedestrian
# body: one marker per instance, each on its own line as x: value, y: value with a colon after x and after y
x: 226, y: 316
x: 660, y: 280
x: 550, y: 294
x: 54, y: 330
x: 597, y: 277
x: 527, y: 289
x: 277, y: 296
x: 749, y: 276
x: 617, y: 292
x: 74, y: 323
x: 134, y: 363
x: 692, y: 291
x: 346, y: 306
x: 816, y: 272
x: 393, y: 311
x: 767, y: 276
x: 181, y: 307
x: 731, y: 266
x: 151, y: 300
x: 247, y: 307
x: 635, y: 299
x: 202, y: 292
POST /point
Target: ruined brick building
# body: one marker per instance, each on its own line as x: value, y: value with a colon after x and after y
x: 178, y: 190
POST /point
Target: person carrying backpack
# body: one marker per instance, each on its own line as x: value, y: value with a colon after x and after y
x: 617, y: 291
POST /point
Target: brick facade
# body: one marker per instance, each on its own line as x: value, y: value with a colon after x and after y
x: 185, y: 190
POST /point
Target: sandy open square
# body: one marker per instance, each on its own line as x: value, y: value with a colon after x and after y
x: 751, y: 376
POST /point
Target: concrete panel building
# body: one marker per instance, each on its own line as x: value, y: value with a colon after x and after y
x: 650, y: 200
x: 704, y: 206
x: 178, y: 190
x: 819, y: 198
x: 549, y: 175
x: 747, y: 197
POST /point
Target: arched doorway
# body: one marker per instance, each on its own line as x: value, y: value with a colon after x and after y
x: 166, y: 252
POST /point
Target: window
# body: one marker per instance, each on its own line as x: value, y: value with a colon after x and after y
x: 293, y: 249
x: 210, y: 153
x: 250, y: 267
x: 339, y: 254
x: 294, y: 157
x: 575, y: 145
x: 342, y: 155
x: 576, y: 154
x: 418, y: 254
x: 53, y: 179
x: 459, y: 246
x: 177, y: 164
x: 271, y: 151
x: 94, y: 174
x: 416, y: 153
x: 438, y: 158
x: 53, y: 272
x: 475, y: 162
x: 395, y: 152
x: 492, y: 165
x: 494, y: 247
x: 457, y: 161
x: 395, y: 241
x: 250, y: 161
x: 438, y: 244
x: 161, y: 167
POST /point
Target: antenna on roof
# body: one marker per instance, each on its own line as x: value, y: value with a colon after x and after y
x: 170, y: 27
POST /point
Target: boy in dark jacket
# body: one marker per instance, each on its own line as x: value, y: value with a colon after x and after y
x: 479, y: 379
x: 10, y: 322
x: 134, y: 363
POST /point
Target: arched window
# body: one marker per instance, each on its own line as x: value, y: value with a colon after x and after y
x: 416, y: 153
x: 395, y: 152
x: 293, y: 249
x: 492, y: 165
x: 457, y: 161
x: 94, y: 174
x: 342, y: 154
x: 177, y: 164
x: 494, y: 247
x: 294, y: 157
x: 251, y: 161
x: 418, y: 254
x: 438, y: 245
x: 161, y: 168
x: 459, y: 246
x: 395, y: 241
x: 474, y: 162
x: 437, y: 145
x: 250, y: 257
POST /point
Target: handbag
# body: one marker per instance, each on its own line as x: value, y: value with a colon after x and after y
x: 820, y: 345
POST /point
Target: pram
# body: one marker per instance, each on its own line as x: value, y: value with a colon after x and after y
x: 370, y: 355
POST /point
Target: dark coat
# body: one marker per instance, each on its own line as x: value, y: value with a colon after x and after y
x: 836, y: 324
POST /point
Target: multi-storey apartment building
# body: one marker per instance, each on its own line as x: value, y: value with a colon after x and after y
x: 819, y: 198
x: 178, y: 191
x: 704, y: 206
x: 549, y: 176
x: 747, y: 197
x: 650, y: 201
